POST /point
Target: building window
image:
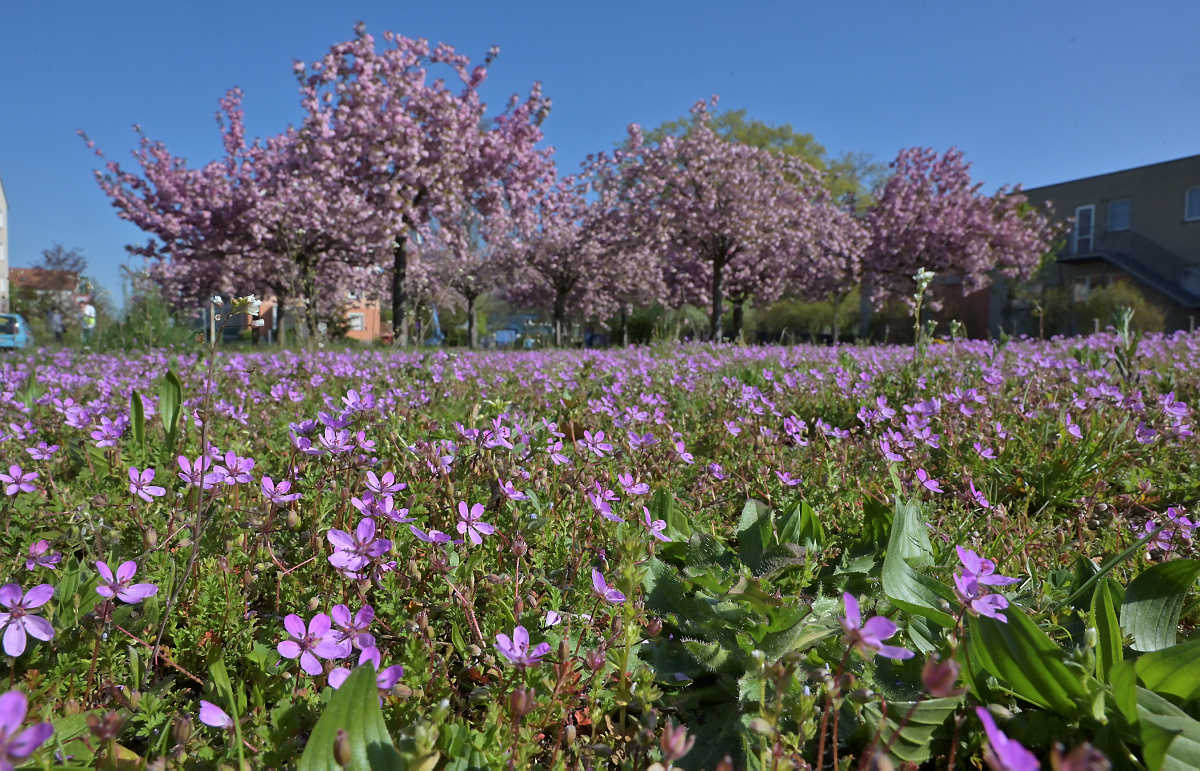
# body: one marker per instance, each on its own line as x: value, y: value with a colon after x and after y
x: 1191, y: 209
x: 1119, y: 214
x: 1085, y: 221
x: 357, y: 321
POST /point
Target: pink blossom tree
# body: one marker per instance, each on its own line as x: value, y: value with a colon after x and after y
x: 420, y: 151
x: 733, y: 220
x: 930, y: 215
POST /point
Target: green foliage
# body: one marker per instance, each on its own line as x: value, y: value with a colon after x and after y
x: 1153, y: 601
x: 354, y: 709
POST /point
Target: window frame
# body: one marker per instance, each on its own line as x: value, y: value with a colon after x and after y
x: 1129, y: 220
x: 362, y: 319
x: 1091, y: 237
x: 1187, y: 195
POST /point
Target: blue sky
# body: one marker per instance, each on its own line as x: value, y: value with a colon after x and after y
x: 1032, y: 92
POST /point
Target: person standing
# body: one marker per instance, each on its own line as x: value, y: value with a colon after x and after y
x: 87, y: 319
x: 55, y: 322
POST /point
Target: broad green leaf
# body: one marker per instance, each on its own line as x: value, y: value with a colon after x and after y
x: 1110, y: 644
x: 919, y: 720
x: 800, y: 525
x: 663, y: 506
x: 1123, y: 679
x: 137, y: 418
x: 170, y: 402
x: 909, y: 546
x: 1153, y: 600
x: 1174, y: 671
x: 354, y: 708
x: 1026, y: 661
x: 1170, y: 743
x: 754, y: 533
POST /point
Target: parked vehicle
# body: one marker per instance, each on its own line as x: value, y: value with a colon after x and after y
x: 14, y: 331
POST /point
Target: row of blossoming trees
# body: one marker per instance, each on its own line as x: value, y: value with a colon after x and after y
x: 397, y: 185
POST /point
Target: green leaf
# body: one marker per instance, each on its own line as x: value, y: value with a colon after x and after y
x: 663, y: 506
x: 1026, y: 661
x: 170, y: 403
x: 800, y: 525
x: 908, y: 547
x: 1111, y: 645
x: 1170, y: 743
x: 354, y: 708
x: 920, y: 719
x: 1174, y: 671
x: 754, y: 533
x: 137, y: 418
x: 1123, y: 679
x: 1153, y: 600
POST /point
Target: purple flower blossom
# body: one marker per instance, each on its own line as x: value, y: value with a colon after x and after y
x: 1003, y: 753
x: 517, y: 649
x: 139, y: 484
x: 42, y: 451
x: 193, y: 474
x: 20, y: 620
x: 278, y: 494
x: 1161, y: 541
x: 657, y: 526
x: 510, y: 492
x: 309, y: 644
x: 108, y: 432
x: 595, y: 443
x: 212, y: 715
x: 122, y: 586
x: 352, y: 553
x: 966, y: 588
x: 787, y: 478
x: 385, y: 485
x: 469, y: 524
x: 353, y: 628
x: 433, y: 536
x: 17, y: 481
x: 385, y: 679
x: 15, y: 744
x: 235, y: 470
x: 605, y: 592
x: 928, y: 482
x: 40, y: 554
x: 717, y: 472
x: 983, y: 569
x: 868, y: 638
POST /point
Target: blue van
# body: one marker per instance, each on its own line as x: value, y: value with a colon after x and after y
x: 14, y: 332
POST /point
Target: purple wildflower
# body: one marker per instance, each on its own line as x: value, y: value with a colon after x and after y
x: 212, y: 715
x: 278, y: 494
x: 353, y: 552
x: 20, y: 620
x: 510, y: 492
x: 605, y: 592
x: 42, y: 451
x: 316, y: 641
x: 353, y: 628
x: 657, y: 526
x: 139, y: 484
x: 595, y: 443
x: 1003, y: 753
x: 469, y: 524
x: 17, y: 481
x: 40, y: 554
x: 121, y: 586
x: 868, y: 638
x: 966, y: 588
x: 385, y: 485
x: 15, y: 744
x: 631, y: 487
x: 517, y: 649
x: 193, y: 474
x: 928, y: 482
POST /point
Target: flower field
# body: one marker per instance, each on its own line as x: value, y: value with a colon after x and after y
x: 735, y: 557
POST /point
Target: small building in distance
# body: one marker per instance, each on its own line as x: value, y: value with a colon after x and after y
x: 59, y: 287
x: 1140, y: 225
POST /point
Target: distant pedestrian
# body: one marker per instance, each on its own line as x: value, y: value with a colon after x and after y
x: 55, y: 322
x: 87, y: 320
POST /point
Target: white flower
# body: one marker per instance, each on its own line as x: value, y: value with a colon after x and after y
x: 217, y: 300
x: 257, y: 323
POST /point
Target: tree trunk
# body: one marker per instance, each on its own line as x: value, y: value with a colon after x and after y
x: 624, y: 327
x: 718, y: 289
x: 280, y: 329
x: 560, y: 313
x: 864, y: 308
x: 472, y: 327
x: 399, y: 293
x: 738, y: 319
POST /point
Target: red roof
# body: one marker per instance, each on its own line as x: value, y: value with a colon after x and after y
x: 42, y: 280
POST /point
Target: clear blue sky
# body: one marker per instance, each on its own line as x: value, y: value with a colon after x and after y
x: 1032, y: 92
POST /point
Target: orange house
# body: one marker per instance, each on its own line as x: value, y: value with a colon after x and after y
x: 362, y: 317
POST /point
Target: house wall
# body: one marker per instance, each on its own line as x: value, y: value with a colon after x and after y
x: 1157, y: 194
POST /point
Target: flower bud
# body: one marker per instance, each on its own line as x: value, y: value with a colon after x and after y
x: 149, y: 538
x: 342, y: 755
x: 181, y: 730
x: 595, y: 660
x: 569, y: 734
x: 653, y: 627
x: 762, y: 727
x: 519, y: 547
x: 675, y: 742
x: 521, y: 701
x: 939, y: 677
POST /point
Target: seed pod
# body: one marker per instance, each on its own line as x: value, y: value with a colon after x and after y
x: 342, y: 754
x: 149, y: 538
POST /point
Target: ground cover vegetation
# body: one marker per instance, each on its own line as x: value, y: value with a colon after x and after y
x: 693, y: 556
